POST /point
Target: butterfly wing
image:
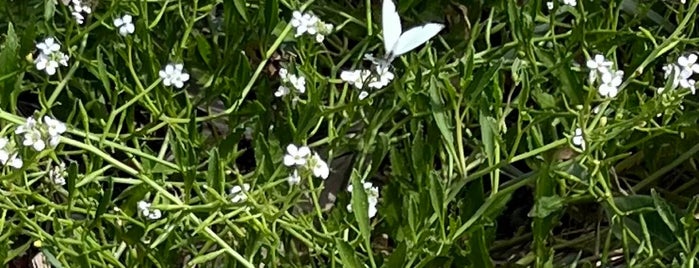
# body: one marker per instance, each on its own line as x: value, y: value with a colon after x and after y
x: 415, y: 37
x: 391, y: 26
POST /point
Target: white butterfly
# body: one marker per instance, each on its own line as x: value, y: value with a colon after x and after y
x: 396, y: 42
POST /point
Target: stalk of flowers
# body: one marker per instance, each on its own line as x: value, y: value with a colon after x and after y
x: 37, y: 134
x: 301, y: 159
x: 681, y: 72
x: 608, y: 80
x: 372, y: 195
x: 50, y: 56
x: 290, y: 82
x: 359, y: 78
x: 308, y: 23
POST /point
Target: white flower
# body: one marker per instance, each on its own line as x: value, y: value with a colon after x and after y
x: 54, y: 126
x: 282, y: 91
x: 578, y: 139
x: 549, y: 5
x: 319, y: 167
x: 363, y: 95
x: 35, y: 140
x: 294, y: 178
x: 7, y: 156
x: 78, y: 9
x: 688, y: 63
x: 310, y: 24
x: 357, y: 78
x: 173, y: 74
x: 28, y: 125
x: 570, y: 2
x: 300, y: 22
x: 297, y: 156
x: 50, y: 57
x: 48, y: 46
x: 384, y: 77
x: 610, y: 84
x: 238, y: 195
x: 57, y: 174
x: 125, y: 25
x: 299, y: 82
x: 145, y: 210
x: 598, y: 62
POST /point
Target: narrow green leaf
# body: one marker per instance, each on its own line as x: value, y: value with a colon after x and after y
x: 347, y: 254
x: 360, y: 206
x: 242, y: 10
x: 665, y: 211
x: 215, y: 176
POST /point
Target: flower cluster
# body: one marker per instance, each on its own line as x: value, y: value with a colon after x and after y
x: 682, y: 71
x: 359, y: 78
x: 79, y: 10
x: 174, y: 74
x: 301, y: 157
x: 609, y: 80
x: 237, y: 193
x: 50, y: 56
x: 310, y: 24
x: 572, y: 3
x: 289, y: 81
x: 372, y: 194
x: 125, y: 25
x: 57, y: 174
x: 145, y: 210
x: 8, y: 154
x: 37, y: 134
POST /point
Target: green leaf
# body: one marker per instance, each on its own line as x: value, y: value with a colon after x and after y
x: 397, y: 258
x: 271, y: 14
x: 546, y: 205
x: 215, y: 176
x: 347, y: 254
x: 242, y: 10
x: 488, y: 132
x: 665, y: 211
x: 9, y: 64
x: 360, y: 206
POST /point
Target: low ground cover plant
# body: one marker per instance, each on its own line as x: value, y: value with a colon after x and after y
x: 348, y: 133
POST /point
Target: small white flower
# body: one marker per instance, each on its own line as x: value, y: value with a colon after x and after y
x: 57, y: 174
x: 48, y: 46
x: 35, y: 140
x: 598, y: 62
x: 78, y: 9
x: 296, y: 156
x: 7, y: 156
x: 54, y: 126
x: 174, y: 74
x: 610, y: 84
x: 319, y: 167
x: 310, y: 24
x: 282, y: 91
x: 238, y: 194
x: 688, y: 63
x: 578, y: 139
x: 549, y: 5
x: 570, y: 2
x: 125, y: 25
x: 363, y: 95
x: 294, y: 178
x: 28, y: 125
x: 384, y: 77
x: 144, y: 209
